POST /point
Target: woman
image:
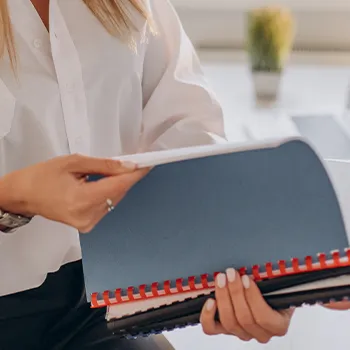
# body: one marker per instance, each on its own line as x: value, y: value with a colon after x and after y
x: 82, y: 81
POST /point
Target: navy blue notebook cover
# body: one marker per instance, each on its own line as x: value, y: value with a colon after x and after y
x: 200, y: 216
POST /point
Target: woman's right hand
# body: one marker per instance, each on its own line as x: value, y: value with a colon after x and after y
x: 57, y: 189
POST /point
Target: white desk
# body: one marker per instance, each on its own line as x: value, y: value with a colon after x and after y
x: 305, y: 90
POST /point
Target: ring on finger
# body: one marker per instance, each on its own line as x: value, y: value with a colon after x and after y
x: 110, y: 205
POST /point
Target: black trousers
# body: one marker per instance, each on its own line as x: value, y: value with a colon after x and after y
x: 56, y: 316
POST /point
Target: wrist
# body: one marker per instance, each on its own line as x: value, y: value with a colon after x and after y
x: 13, y: 212
x: 12, y: 199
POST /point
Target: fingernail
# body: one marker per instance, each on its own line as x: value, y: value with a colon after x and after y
x: 210, y: 304
x: 128, y: 165
x: 221, y: 280
x: 246, y: 281
x: 231, y: 275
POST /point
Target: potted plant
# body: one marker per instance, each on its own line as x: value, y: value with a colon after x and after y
x: 269, y: 41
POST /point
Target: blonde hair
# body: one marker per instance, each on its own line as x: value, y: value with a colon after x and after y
x: 115, y: 16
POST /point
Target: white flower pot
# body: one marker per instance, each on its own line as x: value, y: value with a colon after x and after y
x: 266, y: 85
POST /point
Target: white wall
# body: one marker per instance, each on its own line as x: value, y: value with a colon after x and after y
x: 321, y: 24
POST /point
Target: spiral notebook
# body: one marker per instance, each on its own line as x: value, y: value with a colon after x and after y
x: 268, y: 209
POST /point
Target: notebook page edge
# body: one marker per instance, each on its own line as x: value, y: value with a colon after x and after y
x: 336, y: 169
x: 155, y: 158
x: 119, y: 311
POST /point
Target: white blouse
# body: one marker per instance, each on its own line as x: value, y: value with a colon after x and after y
x: 81, y: 90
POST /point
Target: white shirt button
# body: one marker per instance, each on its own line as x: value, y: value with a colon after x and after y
x: 37, y: 43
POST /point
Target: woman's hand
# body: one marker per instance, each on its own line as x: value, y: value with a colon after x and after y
x: 57, y: 189
x: 243, y: 311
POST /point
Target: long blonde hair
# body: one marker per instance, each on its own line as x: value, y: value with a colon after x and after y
x: 115, y: 15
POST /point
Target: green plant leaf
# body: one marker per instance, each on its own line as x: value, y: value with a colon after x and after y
x: 270, y: 34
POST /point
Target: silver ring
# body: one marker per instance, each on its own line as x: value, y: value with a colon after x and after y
x: 110, y: 205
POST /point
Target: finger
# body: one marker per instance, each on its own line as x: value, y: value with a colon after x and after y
x: 226, y: 312
x: 100, y: 204
x: 340, y: 306
x: 92, y: 165
x: 207, y: 319
x: 242, y: 310
x: 272, y: 321
x: 97, y: 193
x: 115, y: 187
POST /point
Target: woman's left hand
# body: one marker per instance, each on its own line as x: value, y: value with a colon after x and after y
x: 243, y: 311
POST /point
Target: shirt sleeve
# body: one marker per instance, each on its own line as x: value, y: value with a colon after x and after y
x: 180, y: 109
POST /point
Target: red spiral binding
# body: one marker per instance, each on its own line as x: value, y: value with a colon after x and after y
x: 336, y: 258
x: 142, y: 291
x: 118, y: 295
x: 130, y: 293
x: 206, y: 283
x: 255, y: 272
x: 155, y: 290
x: 308, y: 263
x: 179, y: 285
x: 106, y: 298
x: 282, y: 267
x: 167, y: 287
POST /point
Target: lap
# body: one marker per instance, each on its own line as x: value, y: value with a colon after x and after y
x: 89, y: 330
x: 56, y: 316
x: 158, y: 342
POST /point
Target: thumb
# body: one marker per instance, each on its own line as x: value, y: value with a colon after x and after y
x: 103, y: 166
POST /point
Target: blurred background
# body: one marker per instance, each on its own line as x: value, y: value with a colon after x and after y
x: 323, y: 26
x: 278, y: 68
x: 267, y: 59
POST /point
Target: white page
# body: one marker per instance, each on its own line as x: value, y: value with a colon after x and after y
x: 151, y: 159
x: 130, y: 308
x: 339, y: 173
